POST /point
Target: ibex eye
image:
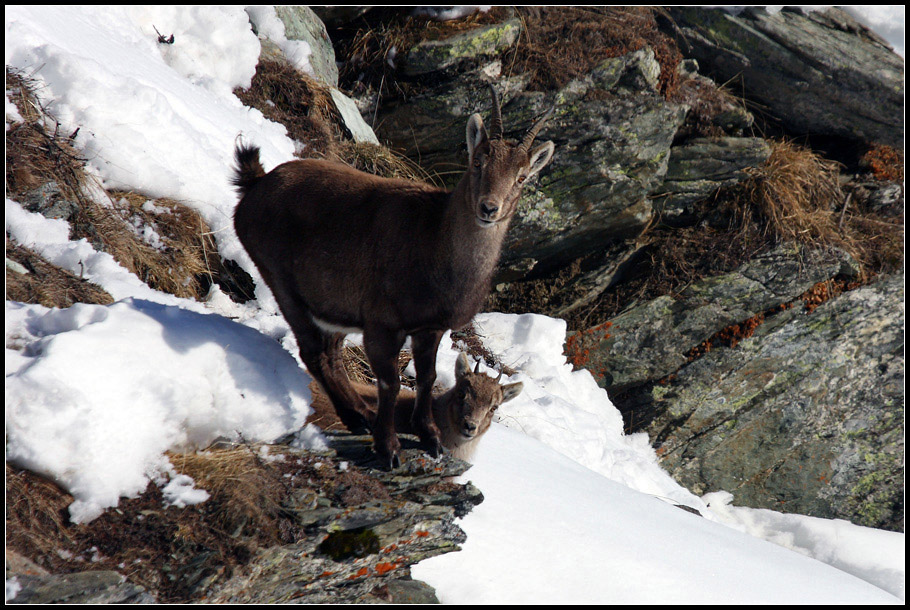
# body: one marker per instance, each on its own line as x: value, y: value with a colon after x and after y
x: 476, y: 162
x: 522, y: 179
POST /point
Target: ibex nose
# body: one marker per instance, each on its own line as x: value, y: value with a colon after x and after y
x: 488, y: 211
x: 470, y: 427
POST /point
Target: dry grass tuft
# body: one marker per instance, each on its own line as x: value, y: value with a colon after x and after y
x: 36, y: 516
x: 561, y: 43
x: 796, y: 196
x: 381, y: 161
x: 183, y: 252
x: 247, y: 494
x: 46, y: 283
x: 165, y: 243
x: 793, y: 196
x: 297, y: 101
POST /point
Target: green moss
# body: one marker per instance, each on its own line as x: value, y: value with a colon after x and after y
x: 358, y: 542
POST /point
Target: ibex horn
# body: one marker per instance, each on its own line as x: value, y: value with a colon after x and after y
x: 535, y: 128
x: 477, y: 367
x: 496, y: 116
x: 500, y: 376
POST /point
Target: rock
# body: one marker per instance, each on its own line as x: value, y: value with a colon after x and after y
x: 93, y: 587
x: 612, y: 132
x: 50, y: 201
x: 301, y: 23
x: 805, y: 417
x: 702, y: 166
x: 362, y: 553
x: 652, y: 340
x: 818, y: 73
x: 435, y: 55
x: 353, y: 121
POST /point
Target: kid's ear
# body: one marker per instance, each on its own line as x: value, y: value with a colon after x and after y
x: 462, y: 365
x: 511, y: 391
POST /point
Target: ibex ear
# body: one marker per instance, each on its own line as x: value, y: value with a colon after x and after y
x: 462, y: 366
x: 476, y: 133
x: 540, y: 157
x: 511, y: 391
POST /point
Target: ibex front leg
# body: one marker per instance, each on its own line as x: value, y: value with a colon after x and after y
x: 424, y: 346
x: 382, y: 347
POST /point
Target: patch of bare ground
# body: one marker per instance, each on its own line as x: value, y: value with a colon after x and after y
x: 162, y: 241
x: 175, y: 552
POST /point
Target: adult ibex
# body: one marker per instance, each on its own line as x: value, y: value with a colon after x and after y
x: 344, y: 251
x: 463, y: 413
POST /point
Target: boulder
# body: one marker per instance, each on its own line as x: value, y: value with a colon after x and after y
x: 301, y: 23
x: 819, y: 73
x: 612, y: 131
x: 806, y: 416
x: 652, y: 340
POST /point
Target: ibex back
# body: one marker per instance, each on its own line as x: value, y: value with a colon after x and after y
x: 344, y: 251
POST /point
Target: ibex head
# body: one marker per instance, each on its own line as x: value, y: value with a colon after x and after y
x: 498, y: 168
x: 477, y: 396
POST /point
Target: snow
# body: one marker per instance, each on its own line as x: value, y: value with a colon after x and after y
x: 97, y: 394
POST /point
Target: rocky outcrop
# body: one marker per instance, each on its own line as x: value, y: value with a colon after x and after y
x: 614, y: 134
x: 362, y: 553
x: 745, y: 384
x: 806, y: 416
x: 28, y: 583
x: 653, y: 340
x: 820, y: 72
x: 356, y: 528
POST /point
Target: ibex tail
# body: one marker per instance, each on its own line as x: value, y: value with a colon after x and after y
x: 249, y: 170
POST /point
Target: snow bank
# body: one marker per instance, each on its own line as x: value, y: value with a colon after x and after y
x: 876, y: 556
x: 550, y: 531
x: 567, y: 410
x: 156, y: 118
x: 96, y: 394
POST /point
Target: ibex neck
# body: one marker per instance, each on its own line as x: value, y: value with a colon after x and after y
x: 475, y: 249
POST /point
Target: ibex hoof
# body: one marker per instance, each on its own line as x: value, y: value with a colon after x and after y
x: 388, y: 453
x: 434, y: 448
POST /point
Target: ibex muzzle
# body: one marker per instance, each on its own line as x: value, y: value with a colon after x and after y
x: 343, y: 250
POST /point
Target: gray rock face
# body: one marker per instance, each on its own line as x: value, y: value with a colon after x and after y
x: 612, y: 132
x: 806, y: 416
x: 435, y: 55
x: 362, y: 553
x: 703, y: 165
x: 819, y: 73
x: 301, y: 23
x: 93, y: 587
x: 651, y: 340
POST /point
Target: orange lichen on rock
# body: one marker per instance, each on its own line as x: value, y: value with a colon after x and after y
x: 579, y: 345
x: 885, y: 163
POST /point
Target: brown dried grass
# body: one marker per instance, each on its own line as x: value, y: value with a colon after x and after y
x: 36, y: 156
x: 297, y: 101
x: 46, y: 283
x: 561, y: 43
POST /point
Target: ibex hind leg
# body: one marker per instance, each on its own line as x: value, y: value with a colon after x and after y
x: 321, y: 353
x: 382, y: 347
x: 424, y: 346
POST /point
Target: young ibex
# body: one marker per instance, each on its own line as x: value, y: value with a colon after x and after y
x: 463, y: 413
x: 344, y: 251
